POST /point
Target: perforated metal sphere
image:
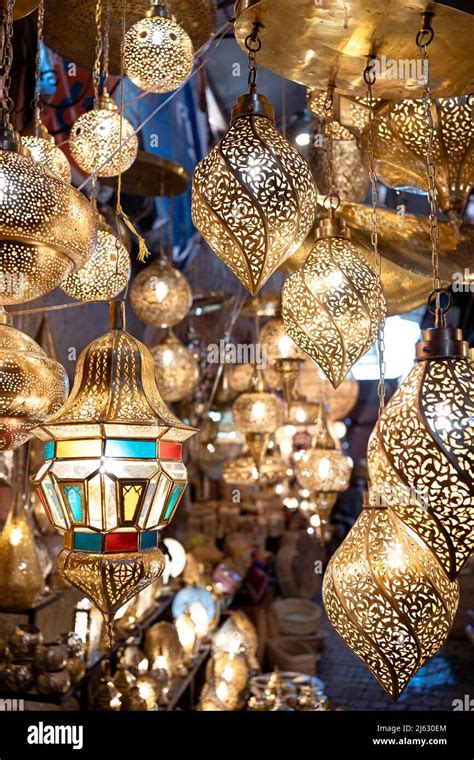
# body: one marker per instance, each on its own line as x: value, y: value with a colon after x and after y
x: 176, y: 369
x: 96, y: 135
x: 158, y: 54
x: 102, y: 277
x: 45, y: 151
x: 257, y: 411
x: 160, y: 295
x: 323, y: 470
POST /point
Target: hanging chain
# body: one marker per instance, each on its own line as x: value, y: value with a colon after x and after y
x: 39, y: 34
x: 106, y: 44
x: 6, y: 56
x: 253, y: 44
x: 98, y: 53
x: 369, y: 78
x: 332, y: 200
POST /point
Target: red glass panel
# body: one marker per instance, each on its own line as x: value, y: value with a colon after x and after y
x: 121, y: 542
x: 170, y: 450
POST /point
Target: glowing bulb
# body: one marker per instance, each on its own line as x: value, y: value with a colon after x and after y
x: 199, y: 617
x: 15, y: 536
x: 161, y: 291
x: 324, y: 467
x: 303, y: 139
x: 258, y: 411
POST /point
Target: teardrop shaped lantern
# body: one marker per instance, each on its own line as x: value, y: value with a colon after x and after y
x: 158, y: 52
x: 160, y: 295
x: 176, y: 369
x: 42, y: 147
x: 333, y: 305
x: 420, y: 452
x: 387, y: 597
x: 253, y: 196
x: 113, y: 473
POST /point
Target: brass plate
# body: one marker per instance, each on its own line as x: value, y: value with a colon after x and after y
x: 24, y: 8
x: 318, y: 44
x: 70, y: 30
x: 151, y: 176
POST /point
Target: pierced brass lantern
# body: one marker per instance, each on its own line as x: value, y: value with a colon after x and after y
x: 333, y: 305
x: 282, y: 353
x: 254, y: 197
x: 158, y: 52
x: 95, y: 137
x: 32, y: 386
x: 312, y: 383
x: 420, y: 453
x: 44, y: 150
x: 106, y: 273
x: 176, y: 369
x: 387, y: 597
x: 243, y: 472
x: 160, y: 295
x: 323, y: 468
x: 113, y: 473
x: 47, y: 228
x: 400, y: 147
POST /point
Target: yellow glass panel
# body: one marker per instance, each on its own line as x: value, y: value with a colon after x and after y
x: 131, y: 493
x: 73, y: 449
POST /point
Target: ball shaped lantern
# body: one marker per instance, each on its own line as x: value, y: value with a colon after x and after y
x: 33, y: 386
x: 282, y: 353
x: 312, y: 383
x: 176, y: 369
x: 334, y: 304
x: 323, y: 468
x: 47, y: 228
x: 240, y: 377
x: 98, y: 135
x: 243, y: 472
x: 113, y: 473
x: 253, y: 196
x: 158, y: 52
x: 388, y: 599
x: 106, y: 273
x: 42, y: 147
x: 160, y: 295
x: 420, y: 451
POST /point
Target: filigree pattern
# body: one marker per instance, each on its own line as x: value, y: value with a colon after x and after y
x: 45, y: 151
x: 176, y: 369
x: 160, y: 295
x: 106, y: 273
x: 254, y: 199
x: 332, y: 306
x: 257, y: 412
x: 323, y: 470
x: 421, y: 454
x: 402, y: 133
x: 158, y: 54
x: 388, y: 599
x: 313, y: 384
x: 243, y: 472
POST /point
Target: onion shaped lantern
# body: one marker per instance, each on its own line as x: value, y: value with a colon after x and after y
x: 113, y: 473
x: 160, y: 295
x: 323, y: 468
x: 387, y: 597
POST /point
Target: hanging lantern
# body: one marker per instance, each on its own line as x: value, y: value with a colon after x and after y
x: 282, y: 352
x: 240, y: 377
x: 158, y: 52
x: 312, y: 383
x: 43, y: 149
x: 400, y: 147
x: 106, y: 273
x: 333, y: 305
x: 387, y: 598
x: 257, y: 414
x: 33, y: 386
x: 317, y: 104
x: 243, y: 472
x: 113, y: 473
x: 323, y: 468
x: 176, y: 369
x: 160, y: 295
x: 420, y: 451
x: 95, y: 136
x: 254, y: 197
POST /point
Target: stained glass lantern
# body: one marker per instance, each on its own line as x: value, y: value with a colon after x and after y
x: 387, y: 597
x: 400, y: 147
x: 282, y: 353
x: 32, y: 386
x: 253, y: 197
x: 420, y: 453
x: 312, y: 383
x: 42, y: 147
x: 158, y: 52
x: 334, y: 304
x: 160, y: 295
x: 113, y: 473
x: 98, y: 142
x: 176, y: 369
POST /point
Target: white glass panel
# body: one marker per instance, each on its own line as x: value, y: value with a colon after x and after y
x: 146, y: 502
x: 75, y: 469
x: 95, y: 503
x: 164, y: 486
x: 110, y: 495
x: 128, y: 469
x: 176, y: 470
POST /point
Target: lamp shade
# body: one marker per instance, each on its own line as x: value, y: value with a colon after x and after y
x: 254, y: 197
x: 333, y: 305
x: 388, y: 599
x: 43, y: 149
x: 113, y: 473
x: 420, y: 453
x: 160, y: 295
x: 243, y: 472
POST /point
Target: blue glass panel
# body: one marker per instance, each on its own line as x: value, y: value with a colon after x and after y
x: 48, y: 450
x: 88, y: 542
x: 175, y: 494
x: 116, y: 447
x: 148, y: 539
x: 74, y: 496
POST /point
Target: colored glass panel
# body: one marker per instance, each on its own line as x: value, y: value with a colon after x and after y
x: 48, y: 450
x: 54, y: 505
x: 88, y: 542
x: 82, y: 448
x: 117, y: 447
x: 148, y: 539
x: 170, y: 450
x: 121, y: 542
x: 130, y: 497
x: 161, y: 494
x: 74, y: 496
x: 173, y: 500
x: 94, y: 503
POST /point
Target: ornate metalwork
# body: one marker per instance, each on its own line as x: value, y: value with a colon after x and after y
x: 400, y: 147
x: 160, y: 295
x: 176, y: 369
x: 312, y: 383
x: 388, y: 598
x: 323, y: 468
x: 243, y: 472
x: 44, y: 150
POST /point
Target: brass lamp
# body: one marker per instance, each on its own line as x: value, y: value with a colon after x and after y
x: 113, y: 473
x: 282, y: 352
x: 158, y: 52
x: 43, y: 149
x: 176, y: 369
x: 420, y: 451
x: 257, y: 414
x: 243, y: 472
x: 387, y: 597
x: 160, y: 295
x: 333, y: 305
x: 312, y: 383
